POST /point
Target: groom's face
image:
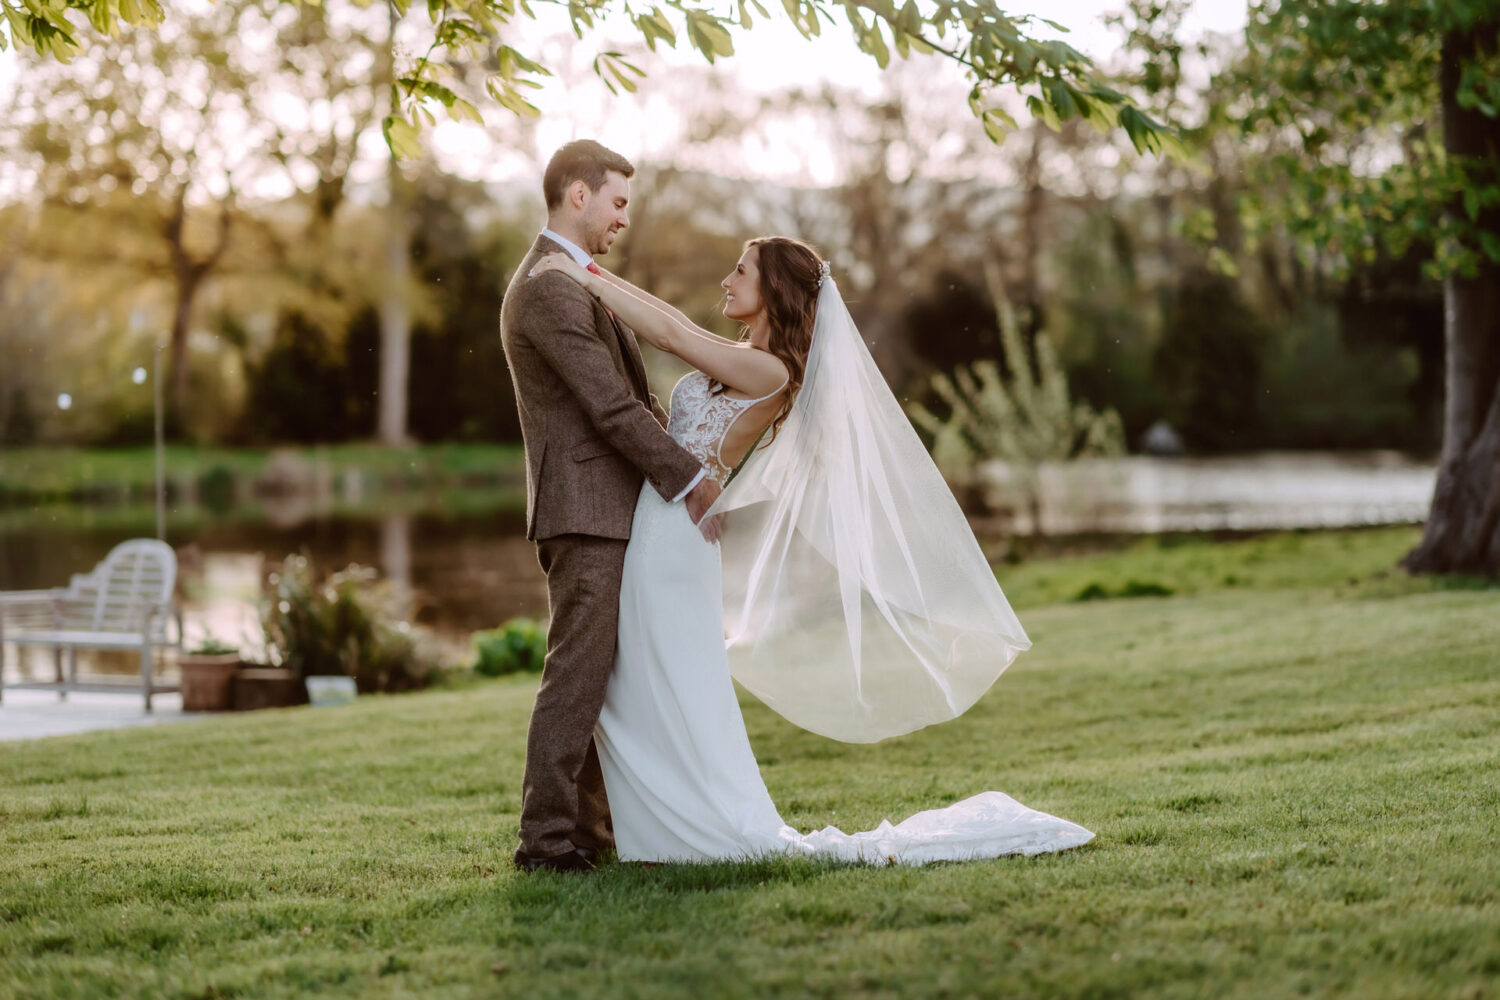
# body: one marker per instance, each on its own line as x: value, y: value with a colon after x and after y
x: 604, y: 213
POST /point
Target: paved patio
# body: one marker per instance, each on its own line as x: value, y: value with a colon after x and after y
x: 29, y: 715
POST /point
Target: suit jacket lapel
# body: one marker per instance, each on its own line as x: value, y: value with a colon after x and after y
x: 626, y: 337
x: 633, y: 355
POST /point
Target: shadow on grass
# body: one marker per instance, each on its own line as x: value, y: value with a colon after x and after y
x: 633, y: 918
x: 659, y: 882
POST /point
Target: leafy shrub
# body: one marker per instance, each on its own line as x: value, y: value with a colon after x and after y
x: 1020, y: 413
x: 213, y: 646
x: 1092, y: 592
x: 1097, y: 591
x: 348, y: 623
x: 518, y: 645
x: 216, y: 489
x: 1145, y: 588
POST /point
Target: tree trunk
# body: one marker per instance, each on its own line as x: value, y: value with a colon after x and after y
x: 1031, y: 231
x: 1463, y: 526
x: 395, y: 323
x: 395, y: 310
x: 182, y: 315
x: 188, y: 275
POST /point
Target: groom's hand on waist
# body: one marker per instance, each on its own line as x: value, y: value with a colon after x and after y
x: 698, y: 500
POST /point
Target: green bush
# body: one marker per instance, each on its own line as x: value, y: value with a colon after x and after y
x: 213, y: 646
x: 518, y: 645
x: 216, y: 489
x: 1096, y: 591
x: 349, y: 623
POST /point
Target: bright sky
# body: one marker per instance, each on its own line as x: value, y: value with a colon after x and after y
x: 773, y: 56
x: 770, y: 57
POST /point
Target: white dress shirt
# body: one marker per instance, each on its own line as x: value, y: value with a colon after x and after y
x: 574, y: 250
x: 583, y: 259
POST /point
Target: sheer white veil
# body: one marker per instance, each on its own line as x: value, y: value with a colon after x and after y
x: 857, y: 602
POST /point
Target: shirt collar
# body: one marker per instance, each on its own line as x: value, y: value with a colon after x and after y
x: 582, y: 259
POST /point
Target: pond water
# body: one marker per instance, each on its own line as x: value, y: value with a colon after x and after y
x: 1141, y: 495
x: 466, y: 564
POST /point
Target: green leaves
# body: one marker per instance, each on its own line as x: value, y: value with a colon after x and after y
x: 997, y: 124
x: 993, y: 47
x: 1347, y: 98
x: 402, y: 137
x: 708, y: 35
x: 615, y: 70
x: 1145, y: 134
x: 655, y: 27
x: 508, y: 95
x: 43, y: 26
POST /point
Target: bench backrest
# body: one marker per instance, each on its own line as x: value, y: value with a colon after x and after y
x: 118, y: 594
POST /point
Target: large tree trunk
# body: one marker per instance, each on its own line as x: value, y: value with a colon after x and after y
x: 1463, y: 526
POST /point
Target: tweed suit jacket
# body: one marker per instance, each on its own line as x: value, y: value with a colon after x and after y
x: 591, y: 427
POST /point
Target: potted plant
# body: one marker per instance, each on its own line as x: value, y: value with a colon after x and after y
x: 208, y: 676
x: 329, y: 628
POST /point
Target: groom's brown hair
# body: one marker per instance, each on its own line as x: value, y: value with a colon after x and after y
x: 580, y: 160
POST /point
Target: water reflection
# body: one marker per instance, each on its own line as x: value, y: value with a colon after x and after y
x: 1140, y: 495
x: 463, y: 571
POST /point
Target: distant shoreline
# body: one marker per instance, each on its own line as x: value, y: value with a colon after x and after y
x: 215, y: 475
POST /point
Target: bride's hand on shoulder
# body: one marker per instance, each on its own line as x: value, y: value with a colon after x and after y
x: 562, y: 263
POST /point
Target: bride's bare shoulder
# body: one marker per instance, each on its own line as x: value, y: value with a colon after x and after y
x: 763, y: 373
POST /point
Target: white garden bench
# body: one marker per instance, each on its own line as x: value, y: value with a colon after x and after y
x: 125, y: 603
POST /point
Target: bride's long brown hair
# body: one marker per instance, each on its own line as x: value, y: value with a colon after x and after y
x: 789, y: 274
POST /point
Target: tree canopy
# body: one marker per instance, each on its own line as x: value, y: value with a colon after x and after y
x: 1383, y: 121
x: 1348, y: 96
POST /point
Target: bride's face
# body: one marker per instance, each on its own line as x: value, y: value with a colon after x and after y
x: 742, y: 288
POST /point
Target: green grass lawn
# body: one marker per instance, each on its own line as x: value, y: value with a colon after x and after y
x: 1294, y: 778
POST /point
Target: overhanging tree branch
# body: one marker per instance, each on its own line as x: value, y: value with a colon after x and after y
x: 994, y: 48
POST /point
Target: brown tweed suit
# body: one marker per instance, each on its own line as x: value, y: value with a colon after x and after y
x: 592, y: 432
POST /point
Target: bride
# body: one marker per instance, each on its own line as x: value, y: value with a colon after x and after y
x: 854, y: 597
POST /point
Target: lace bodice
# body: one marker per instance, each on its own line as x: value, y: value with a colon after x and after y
x: 700, y: 419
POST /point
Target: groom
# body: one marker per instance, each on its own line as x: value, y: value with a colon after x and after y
x: 593, y: 432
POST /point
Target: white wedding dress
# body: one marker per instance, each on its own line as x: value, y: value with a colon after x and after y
x: 681, y: 777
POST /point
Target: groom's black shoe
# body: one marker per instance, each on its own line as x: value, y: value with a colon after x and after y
x: 573, y: 861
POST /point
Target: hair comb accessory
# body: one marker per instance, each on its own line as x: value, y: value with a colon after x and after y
x: 824, y: 270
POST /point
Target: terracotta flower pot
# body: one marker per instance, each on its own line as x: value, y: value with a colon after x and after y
x: 208, y: 681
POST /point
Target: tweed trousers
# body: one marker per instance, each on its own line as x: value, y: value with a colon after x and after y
x: 563, y: 804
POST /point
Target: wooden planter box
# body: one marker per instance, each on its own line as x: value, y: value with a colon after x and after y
x: 208, y: 681
x: 267, y: 687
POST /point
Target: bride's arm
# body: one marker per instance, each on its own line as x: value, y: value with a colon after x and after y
x: 641, y: 293
x: 752, y: 372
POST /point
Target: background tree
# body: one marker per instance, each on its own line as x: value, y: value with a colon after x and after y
x: 1021, y: 415
x: 147, y: 129
x: 1383, y: 125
